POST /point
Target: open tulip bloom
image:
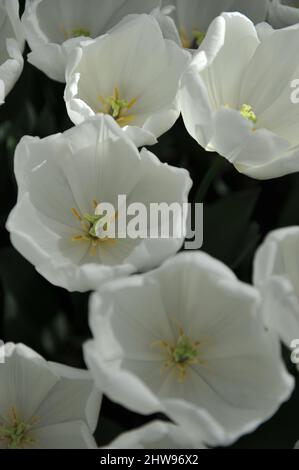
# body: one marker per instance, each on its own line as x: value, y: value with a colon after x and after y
x: 138, y: 88
x: 276, y: 274
x: 44, y: 405
x: 187, y: 340
x: 54, y: 27
x: 64, y: 179
x: 11, y: 46
x: 193, y: 17
x: 236, y: 97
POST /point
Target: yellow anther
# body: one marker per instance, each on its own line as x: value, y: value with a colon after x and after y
x: 76, y: 214
x: 248, y: 113
x: 78, y: 238
x: 93, y: 248
x: 125, y: 120
x: 186, y: 43
x: 131, y: 103
x: 104, y: 104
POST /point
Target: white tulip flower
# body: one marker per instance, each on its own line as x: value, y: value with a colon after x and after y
x: 132, y: 74
x: 193, y: 17
x: 276, y: 274
x: 54, y: 27
x: 64, y: 180
x: 11, y: 46
x: 186, y: 340
x: 283, y: 13
x: 157, y: 435
x: 236, y: 97
x: 44, y: 405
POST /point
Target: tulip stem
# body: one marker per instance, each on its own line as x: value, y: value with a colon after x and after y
x: 208, y: 179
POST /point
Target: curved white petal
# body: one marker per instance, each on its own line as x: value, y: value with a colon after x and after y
x: 72, y: 435
x: 72, y: 398
x: 157, y: 435
x: 276, y: 274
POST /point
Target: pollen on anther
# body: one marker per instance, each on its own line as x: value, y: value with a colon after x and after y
x: 132, y: 103
x: 78, y: 238
x: 76, y: 214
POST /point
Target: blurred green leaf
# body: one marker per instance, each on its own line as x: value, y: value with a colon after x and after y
x: 228, y: 229
x: 107, y: 431
x: 46, y: 123
x: 30, y: 302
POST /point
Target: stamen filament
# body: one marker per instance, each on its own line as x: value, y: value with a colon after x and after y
x: 186, y: 43
x: 76, y: 214
x: 78, y: 238
x: 124, y: 120
x: 131, y: 103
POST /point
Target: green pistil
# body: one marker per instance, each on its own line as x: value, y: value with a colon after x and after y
x: 15, y: 435
x: 77, y: 32
x: 199, y: 36
x: 248, y: 113
x: 92, y: 220
x: 184, y: 351
x: 116, y: 106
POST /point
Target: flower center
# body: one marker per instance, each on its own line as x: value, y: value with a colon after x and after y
x: 118, y: 108
x: 75, y: 32
x: 199, y: 36
x: 194, y: 41
x: 248, y: 113
x: 16, y: 433
x: 91, y: 226
x: 181, y: 355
